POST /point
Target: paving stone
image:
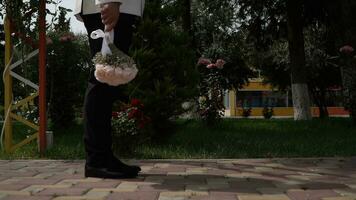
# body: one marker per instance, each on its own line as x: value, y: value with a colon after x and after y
x: 155, y: 179
x: 185, y: 194
x: 289, y: 184
x: 127, y: 187
x: 76, y: 198
x: 351, y: 186
x: 62, y: 176
x: 19, y: 197
x: 10, y: 180
x: 101, y: 184
x: 133, y: 196
x: 11, y: 192
x: 146, y: 168
x: 33, y: 189
x: 298, y: 177
x: 340, y: 198
x: 94, y: 194
x: 12, y: 186
x: 37, y: 181
x: 197, y: 188
x: 251, y: 184
x: 131, y: 188
x: 346, y: 191
x: 217, y: 180
x: 75, y: 181
x: 44, y: 175
x: 249, y: 179
x: 243, y: 175
x: 310, y: 194
x: 263, y: 197
x: 183, y: 173
x: 63, y: 191
x: 183, y: 182
x: 173, y: 198
x: 161, y: 165
x: 275, y: 165
x: 137, y: 179
x: 321, y: 185
x: 161, y: 188
x: 271, y: 190
x: 263, y: 169
x: 221, y: 196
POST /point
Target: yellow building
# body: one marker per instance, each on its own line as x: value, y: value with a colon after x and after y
x: 257, y: 95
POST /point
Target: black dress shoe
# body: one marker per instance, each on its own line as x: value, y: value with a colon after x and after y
x: 107, y: 173
x: 116, y: 163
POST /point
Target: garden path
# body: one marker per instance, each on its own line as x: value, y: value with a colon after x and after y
x: 242, y: 179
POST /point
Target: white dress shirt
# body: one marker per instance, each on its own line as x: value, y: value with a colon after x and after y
x: 133, y: 7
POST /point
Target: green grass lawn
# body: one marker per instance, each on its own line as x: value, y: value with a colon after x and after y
x: 68, y: 144
x: 257, y: 139
x: 234, y: 138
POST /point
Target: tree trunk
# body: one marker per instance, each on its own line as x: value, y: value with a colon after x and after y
x: 186, y: 16
x: 187, y: 21
x: 301, y: 99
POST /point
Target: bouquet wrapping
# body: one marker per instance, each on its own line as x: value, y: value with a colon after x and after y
x: 112, y: 66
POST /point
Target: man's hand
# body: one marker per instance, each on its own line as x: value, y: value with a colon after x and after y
x: 110, y: 13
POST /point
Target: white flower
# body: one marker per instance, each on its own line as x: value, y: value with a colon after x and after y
x: 186, y: 105
x: 201, y: 99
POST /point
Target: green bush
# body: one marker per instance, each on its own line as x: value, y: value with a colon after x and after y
x: 246, y: 112
x: 167, y: 74
x: 67, y: 72
x: 267, y: 112
x: 68, y: 64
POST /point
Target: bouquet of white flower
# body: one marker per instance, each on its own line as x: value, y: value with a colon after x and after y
x: 112, y: 66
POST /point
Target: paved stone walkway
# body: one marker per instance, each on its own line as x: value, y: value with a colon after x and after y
x: 255, y: 179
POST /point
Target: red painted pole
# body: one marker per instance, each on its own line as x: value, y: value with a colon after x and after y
x: 42, y: 76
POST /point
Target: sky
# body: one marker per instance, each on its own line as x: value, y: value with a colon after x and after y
x: 76, y: 25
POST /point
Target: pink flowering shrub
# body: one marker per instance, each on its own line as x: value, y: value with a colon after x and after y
x: 204, y: 61
x: 347, y: 49
x: 211, y: 93
x: 67, y: 37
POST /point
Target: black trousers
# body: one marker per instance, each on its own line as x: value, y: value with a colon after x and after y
x: 99, y: 97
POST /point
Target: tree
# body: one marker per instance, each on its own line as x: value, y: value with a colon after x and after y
x: 323, y: 74
x: 68, y: 65
x: 268, y: 21
x: 343, y: 27
x: 167, y: 74
x: 322, y: 71
x: 187, y: 17
x: 217, y: 36
x: 300, y: 92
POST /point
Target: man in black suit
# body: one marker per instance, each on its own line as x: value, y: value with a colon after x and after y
x: 120, y: 16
